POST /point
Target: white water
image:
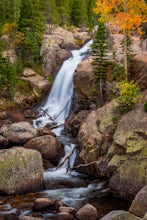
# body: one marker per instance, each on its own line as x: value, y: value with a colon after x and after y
x: 59, y: 101
x: 58, y: 105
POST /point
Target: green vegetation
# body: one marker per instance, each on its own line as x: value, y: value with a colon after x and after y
x: 129, y: 94
x: 23, y: 24
x: 99, y: 49
x: 145, y: 106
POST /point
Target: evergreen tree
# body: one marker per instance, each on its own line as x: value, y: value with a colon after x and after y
x: 92, y: 18
x: 99, y: 49
x: 31, y: 28
x: 51, y: 13
x: 8, y: 76
x: 64, y: 10
x: 9, y: 11
x: 79, y: 15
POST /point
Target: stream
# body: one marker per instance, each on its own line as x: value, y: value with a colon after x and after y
x: 73, y: 189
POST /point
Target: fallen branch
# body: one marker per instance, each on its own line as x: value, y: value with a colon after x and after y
x: 67, y: 157
x: 56, y: 126
x: 47, y: 114
x: 84, y: 165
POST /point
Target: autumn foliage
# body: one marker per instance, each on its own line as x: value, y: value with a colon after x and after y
x: 128, y: 14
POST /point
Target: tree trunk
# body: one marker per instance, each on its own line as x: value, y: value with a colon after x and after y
x: 125, y: 43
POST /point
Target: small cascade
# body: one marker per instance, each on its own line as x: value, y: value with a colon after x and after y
x: 58, y: 104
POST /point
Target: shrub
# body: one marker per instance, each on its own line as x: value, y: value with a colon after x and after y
x: 129, y: 94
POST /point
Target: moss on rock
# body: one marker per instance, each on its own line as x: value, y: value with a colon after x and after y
x: 21, y: 170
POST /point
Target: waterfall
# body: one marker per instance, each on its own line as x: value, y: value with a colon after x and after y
x: 59, y: 102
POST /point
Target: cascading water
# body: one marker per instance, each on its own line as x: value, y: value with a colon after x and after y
x: 59, y: 101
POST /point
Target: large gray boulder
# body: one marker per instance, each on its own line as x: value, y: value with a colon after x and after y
x: 19, y: 133
x: 128, y: 163
x: 120, y: 215
x: 21, y: 170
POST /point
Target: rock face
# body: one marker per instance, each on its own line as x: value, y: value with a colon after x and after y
x: 84, y: 86
x: 48, y: 146
x: 56, y: 45
x: 21, y: 170
x: 94, y: 139
x: 129, y: 166
x: 115, y: 44
x: 119, y: 215
x: 19, y: 133
x: 36, y: 80
x: 139, y: 69
x: 115, y: 149
x: 139, y: 204
x: 74, y: 121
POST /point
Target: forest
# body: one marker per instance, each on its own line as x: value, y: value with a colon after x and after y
x: 23, y: 25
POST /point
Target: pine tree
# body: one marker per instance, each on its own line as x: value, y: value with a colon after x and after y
x: 92, y: 19
x: 79, y: 15
x: 99, y: 49
x: 31, y: 28
x: 51, y: 13
x: 8, y: 76
x: 64, y: 10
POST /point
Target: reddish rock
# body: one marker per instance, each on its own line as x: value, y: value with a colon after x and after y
x: 70, y: 210
x: 139, y: 204
x: 139, y: 69
x: 84, y: 86
x: 88, y: 212
x: 42, y: 203
x: 14, y: 116
x: 3, y: 141
x: 65, y: 216
x: 48, y: 146
x: 74, y: 122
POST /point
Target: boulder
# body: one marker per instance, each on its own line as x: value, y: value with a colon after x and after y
x: 3, y: 141
x: 52, y: 54
x: 19, y: 133
x: 30, y: 218
x: 139, y: 69
x: 42, y: 203
x: 87, y: 212
x: 139, y: 204
x: 21, y: 170
x: 120, y: 215
x: 70, y: 210
x: 74, y: 121
x: 95, y: 138
x: 128, y: 154
x: 36, y: 80
x: 14, y: 116
x: 84, y: 86
x: 65, y: 216
x: 48, y: 146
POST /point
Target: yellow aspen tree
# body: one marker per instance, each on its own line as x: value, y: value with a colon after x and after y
x: 127, y: 14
